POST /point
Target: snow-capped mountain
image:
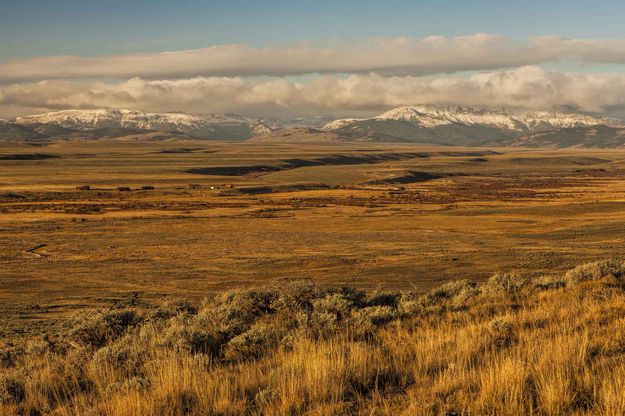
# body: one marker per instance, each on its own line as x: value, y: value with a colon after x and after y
x: 340, y: 123
x: 461, y: 125
x: 226, y: 126
x: 431, y: 116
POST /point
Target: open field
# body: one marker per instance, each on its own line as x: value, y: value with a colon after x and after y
x: 369, y: 215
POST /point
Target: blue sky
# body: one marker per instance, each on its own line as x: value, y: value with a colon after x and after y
x: 94, y: 27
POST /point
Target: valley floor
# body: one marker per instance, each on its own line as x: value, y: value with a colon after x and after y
x: 386, y: 216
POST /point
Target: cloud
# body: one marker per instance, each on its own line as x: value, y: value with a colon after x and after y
x: 524, y: 88
x: 386, y: 56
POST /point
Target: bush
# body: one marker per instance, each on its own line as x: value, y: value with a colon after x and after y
x: 127, y: 354
x: 96, y: 328
x: 550, y: 283
x: 180, y: 334
x: 595, y: 271
x: 335, y: 304
x: 253, y: 343
x: 410, y: 304
x: 453, y: 295
x: 507, y: 282
x: 500, y: 333
x: 365, y: 321
x: 173, y: 307
x: 384, y: 299
x: 224, y: 320
x: 294, y: 296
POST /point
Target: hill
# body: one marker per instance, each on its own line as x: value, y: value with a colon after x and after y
x: 589, y: 136
x: 310, y: 135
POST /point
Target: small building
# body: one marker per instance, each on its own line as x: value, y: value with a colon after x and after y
x: 123, y: 189
x: 194, y: 186
x: 228, y: 186
x: 83, y: 188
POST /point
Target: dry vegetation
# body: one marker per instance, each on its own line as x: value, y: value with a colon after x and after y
x: 90, y: 324
x: 509, y: 346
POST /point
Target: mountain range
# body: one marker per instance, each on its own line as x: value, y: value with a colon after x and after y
x: 469, y: 126
x: 94, y: 123
x: 452, y: 125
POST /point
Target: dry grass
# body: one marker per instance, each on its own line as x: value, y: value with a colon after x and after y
x: 533, y: 212
x: 509, y: 346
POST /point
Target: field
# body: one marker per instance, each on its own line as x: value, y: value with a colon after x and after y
x: 390, y: 217
x: 213, y: 278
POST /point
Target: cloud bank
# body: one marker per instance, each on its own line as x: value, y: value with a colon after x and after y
x: 347, y: 78
x: 387, y: 56
x: 524, y: 88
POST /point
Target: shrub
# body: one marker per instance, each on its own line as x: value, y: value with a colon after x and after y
x: 328, y: 313
x: 223, y: 320
x: 596, y: 270
x: 335, y: 304
x: 410, y: 304
x: 550, y: 282
x: 172, y: 307
x: 180, y: 334
x: 294, y: 296
x: 500, y: 333
x: 96, y: 328
x: 364, y: 321
x: 127, y: 354
x: 507, y: 282
x: 375, y: 315
x: 384, y: 299
x: 252, y: 343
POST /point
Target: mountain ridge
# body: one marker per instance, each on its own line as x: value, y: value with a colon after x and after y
x: 457, y: 125
x: 225, y: 125
x: 442, y: 125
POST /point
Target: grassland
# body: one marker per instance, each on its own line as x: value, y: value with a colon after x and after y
x: 510, y: 346
x: 489, y: 210
x: 377, y: 217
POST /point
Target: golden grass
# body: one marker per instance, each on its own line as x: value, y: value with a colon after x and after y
x: 510, y: 346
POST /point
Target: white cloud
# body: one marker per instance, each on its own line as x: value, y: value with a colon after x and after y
x: 388, y: 56
x: 528, y: 87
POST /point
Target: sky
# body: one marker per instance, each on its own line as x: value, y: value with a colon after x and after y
x: 310, y: 57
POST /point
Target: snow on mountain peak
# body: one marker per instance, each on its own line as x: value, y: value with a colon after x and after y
x: 174, y: 121
x: 432, y: 116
